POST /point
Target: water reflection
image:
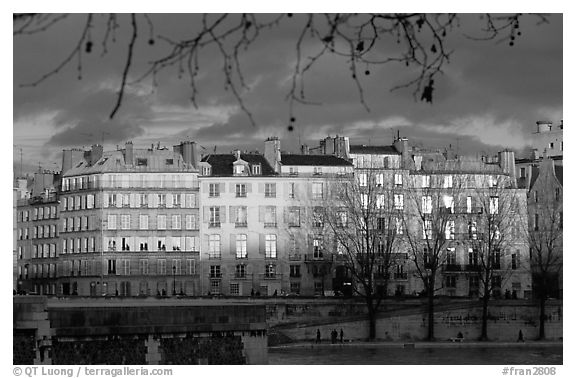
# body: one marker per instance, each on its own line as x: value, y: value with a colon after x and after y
x: 419, y: 356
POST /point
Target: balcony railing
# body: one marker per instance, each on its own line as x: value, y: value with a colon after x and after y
x: 295, y: 257
x: 270, y: 224
x: 318, y: 257
x: 452, y: 267
x: 241, y: 224
x: 401, y: 276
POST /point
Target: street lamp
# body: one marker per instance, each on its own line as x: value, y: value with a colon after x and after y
x: 174, y: 283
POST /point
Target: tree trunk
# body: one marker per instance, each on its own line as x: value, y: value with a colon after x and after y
x: 484, y: 333
x: 371, y: 318
x: 542, y: 332
x: 430, y: 313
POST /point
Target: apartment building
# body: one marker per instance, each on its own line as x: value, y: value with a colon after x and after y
x: 473, y: 193
x: 129, y: 221
x: 258, y: 231
x: 37, y: 220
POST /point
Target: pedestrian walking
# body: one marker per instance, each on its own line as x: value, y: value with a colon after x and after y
x: 520, y: 336
x: 341, y: 336
x: 318, y: 336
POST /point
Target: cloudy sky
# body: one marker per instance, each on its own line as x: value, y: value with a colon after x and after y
x: 489, y: 96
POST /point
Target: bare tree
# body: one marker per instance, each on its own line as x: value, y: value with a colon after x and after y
x: 491, y: 233
x: 417, y: 40
x: 363, y: 217
x: 430, y: 228
x: 545, y: 240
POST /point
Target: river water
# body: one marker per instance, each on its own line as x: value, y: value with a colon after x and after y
x: 382, y: 355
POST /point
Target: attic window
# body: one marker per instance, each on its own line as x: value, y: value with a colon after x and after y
x: 238, y: 169
x: 103, y: 161
x: 141, y: 162
x: 256, y: 169
x: 169, y: 161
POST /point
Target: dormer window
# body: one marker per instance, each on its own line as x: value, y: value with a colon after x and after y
x: 256, y: 169
x: 317, y: 170
x: 141, y: 162
x: 238, y: 169
x: 206, y: 171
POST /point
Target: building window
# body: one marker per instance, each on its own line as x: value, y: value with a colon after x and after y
x: 426, y: 181
x: 143, y: 200
x: 214, y: 246
x: 448, y: 181
x: 240, y: 190
x: 111, y: 222
x: 241, y: 246
x: 363, y: 179
x: 380, y: 179
x: 256, y: 169
x: 398, y: 201
x: 111, y: 266
x: 472, y: 230
x: 269, y: 190
x: 449, y: 231
x: 162, y: 267
x: 294, y: 217
x: 215, y: 271
x: 318, y: 217
x: 364, y: 201
x: 270, y: 246
x: 427, y: 204
x: 291, y: 190
x: 557, y: 193
x: 190, y: 267
x: 317, y: 252
x: 161, y: 222
x: 206, y: 171
x: 380, y: 201
x: 317, y: 190
x: 448, y: 204
x: 398, y: 179
x: 427, y: 229
x: 317, y: 170
x: 270, y: 271
x: 493, y: 205
x: 125, y: 220
x: 144, y: 267
x: 472, y: 257
x: 176, y: 200
x: 342, y: 218
x: 241, y: 216
x: 295, y: 287
x: 514, y: 261
x: 234, y: 289
x: 398, y: 226
x: 295, y: 271
x: 191, y: 223
x: 214, y: 190
x: 215, y: 216
x: 143, y: 222
x: 176, y: 222
x: 270, y: 216
x: 240, y: 271
x: 536, y: 222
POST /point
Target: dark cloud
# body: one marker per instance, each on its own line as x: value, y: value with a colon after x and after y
x: 489, y: 95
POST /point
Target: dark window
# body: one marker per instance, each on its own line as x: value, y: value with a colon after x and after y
x: 169, y: 161
x: 141, y: 162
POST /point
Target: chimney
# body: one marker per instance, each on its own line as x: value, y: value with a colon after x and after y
x: 507, y: 163
x: 129, y: 154
x: 272, y: 153
x: 96, y: 153
x: 190, y: 152
x: 304, y: 149
x: 401, y: 145
x: 237, y: 154
x: 543, y: 126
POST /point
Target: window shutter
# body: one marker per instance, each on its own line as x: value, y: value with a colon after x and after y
x: 223, y: 213
x: 132, y: 200
x: 169, y: 200
x: 136, y: 200
x: 221, y: 188
x: 249, y: 188
x: 286, y: 215
x: 232, y: 213
x: 206, y: 187
x: 104, y: 200
x: 233, y: 245
x: 286, y: 189
x: 262, y: 244
x: 260, y: 187
x: 206, y: 215
x: 119, y: 198
x: 261, y: 213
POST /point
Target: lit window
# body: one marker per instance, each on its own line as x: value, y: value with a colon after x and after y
x: 270, y: 246
x: 241, y: 242
x: 214, y: 246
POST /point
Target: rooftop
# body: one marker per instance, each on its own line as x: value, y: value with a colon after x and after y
x: 222, y: 164
x: 383, y: 150
x: 316, y: 160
